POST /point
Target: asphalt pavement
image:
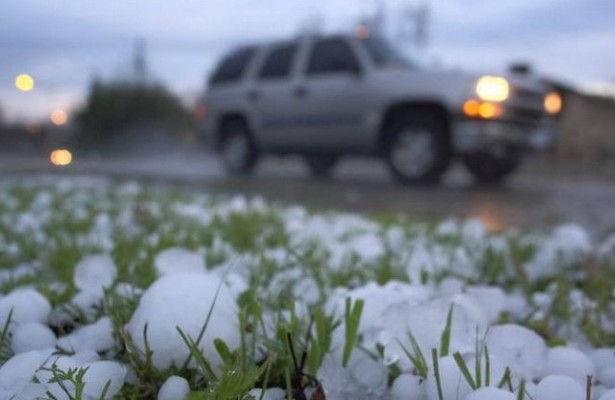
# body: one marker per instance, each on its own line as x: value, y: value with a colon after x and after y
x: 539, y: 196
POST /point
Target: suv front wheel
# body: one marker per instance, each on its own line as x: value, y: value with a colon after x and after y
x: 237, y: 150
x: 417, y: 150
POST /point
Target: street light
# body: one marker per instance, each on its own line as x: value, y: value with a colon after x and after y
x: 59, y: 117
x: 24, y: 82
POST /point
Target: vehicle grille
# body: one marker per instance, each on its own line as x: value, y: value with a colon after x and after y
x: 526, y: 106
x: 529, y: 98
x: 525, y: 115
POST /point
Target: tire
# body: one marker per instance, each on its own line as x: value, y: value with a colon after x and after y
x: 321, y: 166
x: 417, y: 149
x: 489, y: 169
x: 237, y: 151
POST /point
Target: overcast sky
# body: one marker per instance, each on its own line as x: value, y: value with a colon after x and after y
x: 63, y: 43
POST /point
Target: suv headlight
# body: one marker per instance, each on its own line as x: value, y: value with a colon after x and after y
x: 492, y: 88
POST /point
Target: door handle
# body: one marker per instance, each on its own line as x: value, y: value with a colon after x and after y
x: 253, y: 95
x: 300, y: 91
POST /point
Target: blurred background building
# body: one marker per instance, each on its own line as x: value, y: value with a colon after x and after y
x: 92, y: 79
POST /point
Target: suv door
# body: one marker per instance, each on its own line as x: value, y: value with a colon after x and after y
x: 333, y: 98
x: 270, y: 95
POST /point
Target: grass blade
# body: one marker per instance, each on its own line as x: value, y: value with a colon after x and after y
x: 195, y: 352
x: 445, y: 341
x: 352, y: 319
x: 436, y: 372
x: 417, y: 359
x: 463, y: 367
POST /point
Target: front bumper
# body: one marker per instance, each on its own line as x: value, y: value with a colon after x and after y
x: 472, y: 135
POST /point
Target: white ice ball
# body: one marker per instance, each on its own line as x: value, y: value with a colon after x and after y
x: 179, y: 261
x: 570, y: 362
x: 408, y: 386
x: 174, y: 388
x: 490, y: 393
x: 454, y: 385
x: 270, y: 394
x: 560, y: 387
x: 184, y: 301
x: 54, y: 366
x: 27, y: 305
x: 100, y: 374
x: 19, y: 370
x: 521, y: 349
x: 32, y: 336
x: 95, y: 273
x: 607, y: 377
x: 603, y: 358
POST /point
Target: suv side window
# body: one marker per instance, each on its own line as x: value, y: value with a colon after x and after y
x: 233, y: 67
x: 330, y: 56
x: 279, y: 62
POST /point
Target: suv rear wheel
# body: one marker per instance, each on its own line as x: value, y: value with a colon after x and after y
x: 417, y: 150
x: 491, y: 169
x: 237, y: 149
x: 321, y: 165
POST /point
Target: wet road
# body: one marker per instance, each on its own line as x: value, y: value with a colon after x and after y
x: 539, y: 196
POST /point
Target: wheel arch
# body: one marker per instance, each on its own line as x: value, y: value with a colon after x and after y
x: 224, y: 120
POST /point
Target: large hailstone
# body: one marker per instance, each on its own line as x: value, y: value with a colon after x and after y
x: 27, y: 305
x: 95, y: 273
x: 608, y: 395
x: 32, y: 336
x: 408, y: 386
x: 454, y: 385
x: 174, y: 388
x: 96, y: 337
x: 178, y: 261
x: 18, y: 371
x: 559, y: 387
x: 490, y: 393
x: 570, y: 362
x: 99, y: 374
x: 518, y: 347
x: 183, y: 301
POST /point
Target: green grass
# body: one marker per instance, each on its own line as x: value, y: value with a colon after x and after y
x: 286, y: 332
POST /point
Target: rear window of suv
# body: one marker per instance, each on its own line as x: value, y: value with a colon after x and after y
x: 233, y: 67
x: 279, y: 62
x: 332, y: 56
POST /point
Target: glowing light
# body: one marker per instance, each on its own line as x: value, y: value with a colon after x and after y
x: 61, y: 157
x: 493, y: 88
x: 489, y: 110
x: 59, y: 117
x: 553, y: 103
x: 490, y: 219
x: 471, y: 108
x: 24, y: 82
x: 474, y: 108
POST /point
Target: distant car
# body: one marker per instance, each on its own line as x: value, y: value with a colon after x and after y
x: 324, y: 98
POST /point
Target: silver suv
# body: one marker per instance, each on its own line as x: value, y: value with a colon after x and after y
x: 327, y: 97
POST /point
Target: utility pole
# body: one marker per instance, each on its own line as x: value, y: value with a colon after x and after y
x: 414, y: 24
x: 139, y: 63
x: 380, y: 18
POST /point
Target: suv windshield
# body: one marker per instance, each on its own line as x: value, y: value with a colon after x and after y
x: 385, y: 55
